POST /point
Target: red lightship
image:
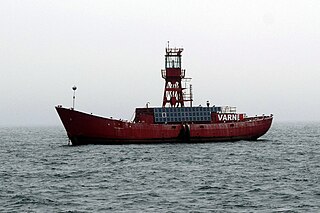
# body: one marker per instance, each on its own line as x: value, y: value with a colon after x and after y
x: 174, y: 122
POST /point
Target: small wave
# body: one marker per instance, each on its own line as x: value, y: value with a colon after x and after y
x: 209, y: 189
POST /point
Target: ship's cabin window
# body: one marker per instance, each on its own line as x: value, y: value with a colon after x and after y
x: 173, y: 62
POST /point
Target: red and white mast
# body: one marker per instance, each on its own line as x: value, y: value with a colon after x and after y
x: 174, y: 94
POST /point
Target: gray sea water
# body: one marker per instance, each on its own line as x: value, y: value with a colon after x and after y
x: 39, y: 172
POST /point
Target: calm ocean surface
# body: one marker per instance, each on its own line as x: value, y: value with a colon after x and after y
x: 39, y: 172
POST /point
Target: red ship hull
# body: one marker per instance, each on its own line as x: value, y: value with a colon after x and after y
x: 83, y: 128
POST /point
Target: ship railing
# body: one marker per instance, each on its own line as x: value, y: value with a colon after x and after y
x: 258, y: 117
x: 163, y: 73
x: 187, y: 96
x: 228, y: 109
x: 183, y: 72
x: 174, y: 50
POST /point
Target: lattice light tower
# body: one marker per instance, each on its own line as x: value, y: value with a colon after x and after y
x: 173, y: 75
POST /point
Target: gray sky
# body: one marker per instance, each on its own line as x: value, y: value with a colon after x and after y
x: 261, y: 56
